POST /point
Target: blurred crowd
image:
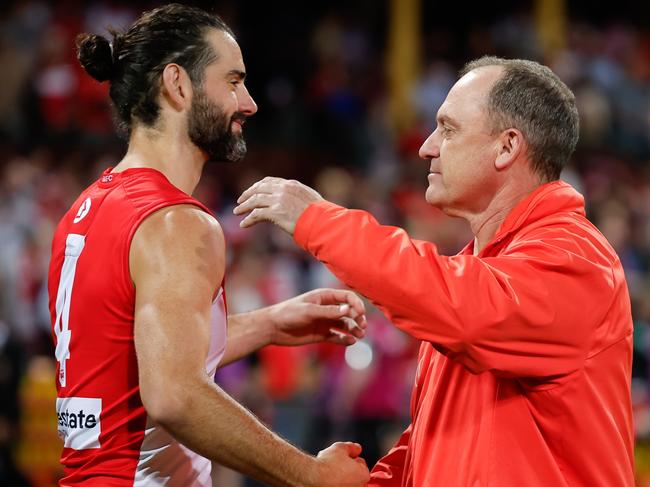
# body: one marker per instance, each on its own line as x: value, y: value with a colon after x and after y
x: 320, y: 83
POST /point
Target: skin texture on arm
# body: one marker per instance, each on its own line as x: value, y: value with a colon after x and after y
x: 333, y: 315
x: 177, y: 263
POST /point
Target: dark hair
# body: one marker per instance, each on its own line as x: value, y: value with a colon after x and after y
x: 135, y: 60
x: 530, y: 97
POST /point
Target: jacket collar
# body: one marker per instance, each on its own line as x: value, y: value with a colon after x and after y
x: 548, y: 199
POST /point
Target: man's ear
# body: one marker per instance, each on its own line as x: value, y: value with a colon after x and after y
x: 511, y: 145
x: 176, y: 86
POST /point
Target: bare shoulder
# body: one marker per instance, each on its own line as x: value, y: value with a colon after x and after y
x: 174, y: 221
x: 180, y: 239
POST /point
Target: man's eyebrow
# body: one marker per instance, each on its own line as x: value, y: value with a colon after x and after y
x: 444, y: 119
x: 238, y: 73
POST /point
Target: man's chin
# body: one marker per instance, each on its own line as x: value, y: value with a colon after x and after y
x: 232, y: 157
x: 432, y: 197
x: 232, y: 154
x: 226, y: 159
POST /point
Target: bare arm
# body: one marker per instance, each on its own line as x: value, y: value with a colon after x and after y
x: 177, y: 262
x: 333, y: 315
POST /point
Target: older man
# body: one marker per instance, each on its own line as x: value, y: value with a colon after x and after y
x: 525, y: 363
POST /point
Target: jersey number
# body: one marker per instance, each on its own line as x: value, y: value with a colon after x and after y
x: 74, y: 244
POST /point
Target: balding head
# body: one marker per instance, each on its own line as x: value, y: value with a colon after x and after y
x: 527, y: 96
x: 470, y: 94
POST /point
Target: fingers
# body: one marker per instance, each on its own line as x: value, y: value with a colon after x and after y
x: 353, y: 307
x: 348, y: 326
x: 338, y: 316
x: 352, y: 327
x: 258, y: 200
x: 353, y: 449
x: 258, y: 207
x: 357, y: 309
x: 355, y: 302
x: 255, y: 216
x: 329, y: 311
x: 339, y: 338
x: 262, y: 186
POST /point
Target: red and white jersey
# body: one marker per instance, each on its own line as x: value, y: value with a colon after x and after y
x: 108, y: 438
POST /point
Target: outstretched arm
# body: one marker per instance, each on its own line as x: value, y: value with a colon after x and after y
x: 332, y: 315
x: 177, y: 262
x: 506, y: 313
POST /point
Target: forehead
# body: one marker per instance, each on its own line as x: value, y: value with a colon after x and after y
x: 468, y: 97
x: 230, y: 56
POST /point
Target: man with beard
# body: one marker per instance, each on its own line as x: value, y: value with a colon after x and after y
x: 136, y: 281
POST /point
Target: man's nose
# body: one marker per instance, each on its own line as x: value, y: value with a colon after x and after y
x: 430, y: 149
x: 247, y: 105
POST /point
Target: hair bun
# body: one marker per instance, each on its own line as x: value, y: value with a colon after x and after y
x: 95, y: 55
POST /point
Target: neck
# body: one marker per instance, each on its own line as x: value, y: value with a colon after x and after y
x: 485, y: 223
x: 170, y: 153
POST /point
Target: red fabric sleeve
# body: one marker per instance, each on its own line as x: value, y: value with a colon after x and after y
x: 529, y: 312
x: 389, y: 470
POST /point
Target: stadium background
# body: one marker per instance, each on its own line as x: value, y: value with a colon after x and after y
x: 347, y: 91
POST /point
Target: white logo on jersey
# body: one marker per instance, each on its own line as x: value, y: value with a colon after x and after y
x: 79, y: 421
x: 83, y: 211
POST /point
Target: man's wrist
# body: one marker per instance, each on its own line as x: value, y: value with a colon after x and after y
x: 269, y: 322
x: 314, y: 474
x: 301, y: 469
x: 259, y: 325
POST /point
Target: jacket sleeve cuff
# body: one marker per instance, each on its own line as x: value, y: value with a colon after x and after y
x: 307, y: 221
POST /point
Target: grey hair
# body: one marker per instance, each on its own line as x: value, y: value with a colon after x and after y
x: 531, y: 98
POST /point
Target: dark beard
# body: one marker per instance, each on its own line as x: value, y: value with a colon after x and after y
x: 210, y: 130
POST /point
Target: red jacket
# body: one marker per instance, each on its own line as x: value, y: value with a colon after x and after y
x: 525, y: 363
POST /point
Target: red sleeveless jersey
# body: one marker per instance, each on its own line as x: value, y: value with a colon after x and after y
x: 108, y: 438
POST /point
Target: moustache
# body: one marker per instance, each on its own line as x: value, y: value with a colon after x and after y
x: 238, y: 117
